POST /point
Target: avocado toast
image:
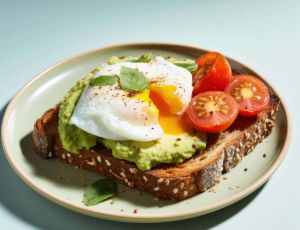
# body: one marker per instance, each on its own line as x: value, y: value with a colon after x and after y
x: 174, y: 180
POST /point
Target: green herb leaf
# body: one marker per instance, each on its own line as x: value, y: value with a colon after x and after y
x: 188, y: 64
x: 133, y: 80
x: 103, y: 80
x: 143, y: 58
x: 99, y: 191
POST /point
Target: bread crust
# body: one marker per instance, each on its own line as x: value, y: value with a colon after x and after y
x: 172, y: 182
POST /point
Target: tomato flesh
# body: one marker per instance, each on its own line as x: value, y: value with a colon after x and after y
x: 213, y: 73
x: 212, y: 111
x: 251, y: 94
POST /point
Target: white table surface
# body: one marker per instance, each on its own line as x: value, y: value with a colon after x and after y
x: 263, y: 34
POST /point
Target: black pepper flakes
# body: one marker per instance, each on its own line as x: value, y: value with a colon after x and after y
x: 264, y: 155
x: 135, y: 211
x: 178, y: 139
x: 245, y: 169
x: 193, y: 146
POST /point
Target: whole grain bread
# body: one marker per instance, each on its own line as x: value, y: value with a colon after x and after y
x: 173, y: 182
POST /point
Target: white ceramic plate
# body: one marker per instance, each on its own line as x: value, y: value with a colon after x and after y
x: 64, y: 185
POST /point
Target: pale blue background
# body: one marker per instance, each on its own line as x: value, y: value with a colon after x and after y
x: 263, y: 34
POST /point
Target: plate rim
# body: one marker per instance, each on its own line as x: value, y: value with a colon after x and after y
x: 124, y: 217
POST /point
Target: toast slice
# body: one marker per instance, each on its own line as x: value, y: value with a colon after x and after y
x: 172, y: 182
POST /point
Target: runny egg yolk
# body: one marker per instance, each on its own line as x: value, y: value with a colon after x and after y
x: 166, y: 105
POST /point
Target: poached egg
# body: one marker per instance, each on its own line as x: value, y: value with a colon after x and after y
x: 116, y: 114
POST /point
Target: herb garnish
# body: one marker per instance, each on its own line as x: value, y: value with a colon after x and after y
x: 188, y: 64
x: 133, y: 80
x: 103, y: 80
x: 99, y: 191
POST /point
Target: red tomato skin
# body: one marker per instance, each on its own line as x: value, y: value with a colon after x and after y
x: 218, y: 74
x: 260, y: 85
x: 217, y: 127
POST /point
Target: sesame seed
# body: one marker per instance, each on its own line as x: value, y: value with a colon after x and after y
x: 145, y: 178
x: 92, y: 162
x: 99, y: 159
x: 126, y: 180
x: 258, y: 130
x: 167, y: 182
x: 175, y: 190
x: 64, y: 156
x: 68, y: 155
x: 156, y: 188
x: 122, y: 174
x: 107, y: 163
x: 50, y: 154
x: 247, y: 135
x: 185, y: 193
x: 241, y: 144
x: 160, y: 180
x: 132, y: 170
x: 181, y: 185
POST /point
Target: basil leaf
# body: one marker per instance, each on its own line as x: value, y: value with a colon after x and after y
x: 103, y: 80
x: 188, y: 64
x: 143, y: 58
x: 99, y: 191
x: 133, y: 80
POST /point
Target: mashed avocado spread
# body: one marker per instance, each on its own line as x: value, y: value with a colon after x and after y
x: 168, y: 149
x: 73, y: 138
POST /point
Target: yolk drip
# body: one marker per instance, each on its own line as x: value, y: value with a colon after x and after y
x: 145, y: 97
x: 169, y: 105
x: 166, y: 105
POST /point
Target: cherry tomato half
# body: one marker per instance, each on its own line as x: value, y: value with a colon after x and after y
x: 213, y: 73
x: 251, y: 94
x: 212, y: 111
